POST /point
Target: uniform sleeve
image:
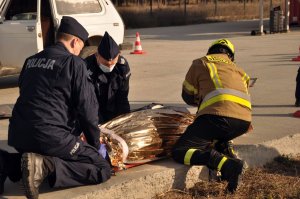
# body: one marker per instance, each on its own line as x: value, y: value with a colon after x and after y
x: 190, y: 88
x: 122, y: 96
x: 86, y: 105
x: 21, y: 74
x: 298, y: 75
x: 246, y: 80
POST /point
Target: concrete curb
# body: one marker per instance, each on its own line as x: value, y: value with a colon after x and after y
x: 149, y: 180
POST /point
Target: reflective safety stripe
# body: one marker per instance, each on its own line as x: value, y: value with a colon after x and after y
x: 190, y: 87
x: 188, y: 156
x: 217, y: 59
x: 225, y: 97
x: 246, y: 80
x: 224, y: 94
x: 229, y: 91
x: 221, y: 163
x: 213, y: 72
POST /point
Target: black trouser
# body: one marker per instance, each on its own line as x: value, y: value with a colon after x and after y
x: 196, y: 145
x: 297, y: 92
x: 85, y: 167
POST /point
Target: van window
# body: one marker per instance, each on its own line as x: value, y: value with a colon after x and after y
x: 21, y: 10
x: 69, y: 7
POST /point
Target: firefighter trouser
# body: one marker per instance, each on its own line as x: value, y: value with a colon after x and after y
x: 196, y: 145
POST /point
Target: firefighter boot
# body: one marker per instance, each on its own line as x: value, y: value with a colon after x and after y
x: 226, y: 148
x: 35, y: 168
x: 232, y: 171
x: 297, y: 103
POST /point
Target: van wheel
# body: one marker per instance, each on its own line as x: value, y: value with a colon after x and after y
x: 87, y: 51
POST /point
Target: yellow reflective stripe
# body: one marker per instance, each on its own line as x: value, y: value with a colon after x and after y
x: 190, y: 87
x: 232, y: 151
x: 224, y: 97
x: 221, y: 163
x: 246, y: 80
x: 213, y: 72
x: 188, y: 156
x: 217, y: 59
x: 229, y: 91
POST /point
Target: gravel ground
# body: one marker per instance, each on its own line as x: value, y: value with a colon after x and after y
x: 276, y: 180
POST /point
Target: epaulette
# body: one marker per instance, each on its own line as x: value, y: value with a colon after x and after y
x: 89, y: 72
x: 122, y: 60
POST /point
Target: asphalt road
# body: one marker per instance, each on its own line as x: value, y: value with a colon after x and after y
x: 157, y: 75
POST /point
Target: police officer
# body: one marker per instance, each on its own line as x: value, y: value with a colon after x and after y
x: 110, y: 74
x: 297, y: 91
x: 54, y: 92
x: 219, y: 88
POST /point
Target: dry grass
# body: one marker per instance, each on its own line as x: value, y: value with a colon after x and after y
x: 277, y: 180
x: 169, y: 15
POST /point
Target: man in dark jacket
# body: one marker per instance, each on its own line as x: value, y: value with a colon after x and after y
x: 110, y: 74
x: 55, y: 91
x: 297, y: 92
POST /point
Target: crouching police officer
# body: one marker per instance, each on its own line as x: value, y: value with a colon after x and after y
x: 219, y: 88
x: 110, y: 74
x: 297, y: 91
x: 54, y: 92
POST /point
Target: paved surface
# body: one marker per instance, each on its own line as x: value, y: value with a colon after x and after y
x: 157, y: 77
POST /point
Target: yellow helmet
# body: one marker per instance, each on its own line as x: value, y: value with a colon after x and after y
x: 223, y: 42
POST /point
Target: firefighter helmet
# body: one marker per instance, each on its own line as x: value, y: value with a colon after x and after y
x: 222, y: 43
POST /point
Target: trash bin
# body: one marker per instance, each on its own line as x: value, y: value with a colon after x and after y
x: 276, y: 20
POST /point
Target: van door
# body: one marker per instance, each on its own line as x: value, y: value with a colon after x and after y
x: 20, y: 32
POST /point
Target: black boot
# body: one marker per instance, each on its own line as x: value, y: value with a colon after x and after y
x: 297, y: 103
x: 3, y: 173
x: 10, y: 166
x: 35, y: 168
x: 214, y: 173
x: 226, y: 148
x: 232, y: 171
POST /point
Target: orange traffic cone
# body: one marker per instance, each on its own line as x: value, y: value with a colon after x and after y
x: 297, y: 58
x: 137, y: 46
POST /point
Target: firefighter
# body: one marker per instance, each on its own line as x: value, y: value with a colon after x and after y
x: 110, y: 74
x: 55, y: 91
x: 219, y: 88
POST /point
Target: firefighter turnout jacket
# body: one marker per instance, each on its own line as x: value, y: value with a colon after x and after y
x: 111, y: 88
x: 218, y: 87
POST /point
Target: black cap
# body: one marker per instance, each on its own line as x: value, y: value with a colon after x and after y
x: 71, y: 26
x: 108, y: 48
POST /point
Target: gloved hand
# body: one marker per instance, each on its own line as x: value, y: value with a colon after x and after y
x: 102, y: 150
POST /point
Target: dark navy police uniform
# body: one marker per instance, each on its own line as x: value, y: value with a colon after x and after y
x: 111, y: 88
x: 297, y: 91
x: 55, y: 90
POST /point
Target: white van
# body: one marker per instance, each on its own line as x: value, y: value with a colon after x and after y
x: 28, y: 26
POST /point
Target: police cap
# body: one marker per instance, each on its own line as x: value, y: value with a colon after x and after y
x: 108, y: 48
x: 71, y: 26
